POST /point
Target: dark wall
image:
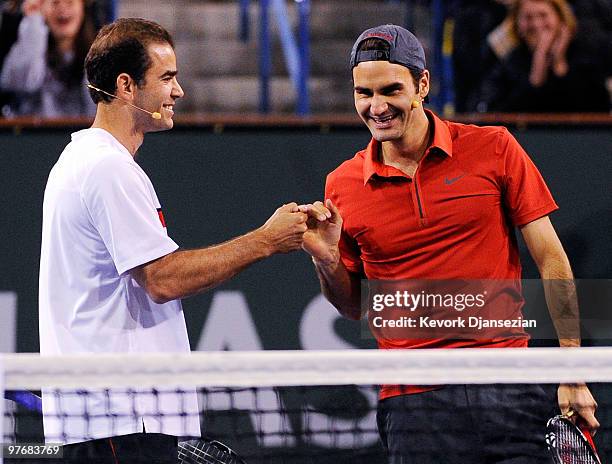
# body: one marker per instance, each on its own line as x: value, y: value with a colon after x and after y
x: 214, y: 186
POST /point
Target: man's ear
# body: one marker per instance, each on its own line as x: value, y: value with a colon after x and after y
x: 424, y: 84
x: 125, y: 86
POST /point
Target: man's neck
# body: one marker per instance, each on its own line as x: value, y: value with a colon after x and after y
x: 119, y: 122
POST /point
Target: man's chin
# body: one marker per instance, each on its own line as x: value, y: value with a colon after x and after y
x: 381, y: 135
x: 162, y: 126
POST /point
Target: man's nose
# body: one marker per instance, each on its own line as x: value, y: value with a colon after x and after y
x: 379, y: 104
x: 177, y: 90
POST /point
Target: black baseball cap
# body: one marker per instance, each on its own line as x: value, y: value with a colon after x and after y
x: 404, y: 47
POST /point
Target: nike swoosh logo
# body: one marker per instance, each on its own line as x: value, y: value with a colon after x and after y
x: 448, y: 181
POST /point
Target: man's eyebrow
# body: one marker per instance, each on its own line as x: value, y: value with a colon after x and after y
x: 169, y: 74
x: 392, y: 87
x: 385, y: 89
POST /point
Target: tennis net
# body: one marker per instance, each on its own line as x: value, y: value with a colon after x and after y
x: 283, y: 406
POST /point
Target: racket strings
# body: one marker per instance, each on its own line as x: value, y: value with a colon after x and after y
x: 202, y: 452
x: 571, y: 446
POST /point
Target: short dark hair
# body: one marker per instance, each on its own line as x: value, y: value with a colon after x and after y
x: 374, y: 43
x: 121, y: 47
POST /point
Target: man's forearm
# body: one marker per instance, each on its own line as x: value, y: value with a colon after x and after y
x: 556, y: 272
x: 340, y: 287
x: 188, y: 272
x: 562, y: 300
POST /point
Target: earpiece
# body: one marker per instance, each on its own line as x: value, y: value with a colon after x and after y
x: 154, y: 114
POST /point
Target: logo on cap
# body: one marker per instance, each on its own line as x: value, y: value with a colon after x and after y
x: 380, y: 35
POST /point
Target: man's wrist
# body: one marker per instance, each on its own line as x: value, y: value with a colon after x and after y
x: 262, y: 241
x: 569, y: 342
x: 330, y: 263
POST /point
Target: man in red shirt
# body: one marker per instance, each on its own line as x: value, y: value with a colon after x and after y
x: 432, y: 199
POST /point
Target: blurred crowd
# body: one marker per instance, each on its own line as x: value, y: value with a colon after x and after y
x: 532, y: 55
x: 43, y: 48
x: 508, y: 56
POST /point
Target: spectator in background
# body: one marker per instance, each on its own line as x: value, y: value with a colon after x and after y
x: 595, y: 16
x: 480, y: 40
x: 555, y: 68
x: 9, y: 24
x: 44, y: 67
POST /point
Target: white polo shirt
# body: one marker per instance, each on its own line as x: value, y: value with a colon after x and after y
x: 101, y: 218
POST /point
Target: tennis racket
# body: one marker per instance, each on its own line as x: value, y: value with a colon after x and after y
x: 200, y: 451
x: 206, y: 451
x: 568, y: 444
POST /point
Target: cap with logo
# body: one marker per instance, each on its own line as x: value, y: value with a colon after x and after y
x: 404, y: 47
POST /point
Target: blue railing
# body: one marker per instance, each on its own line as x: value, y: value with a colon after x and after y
x: 296, y: 53
x: 289, y: 44
x: 265, y: 56
x: 111, y: 11
x: 244, y: 30
x: 441, y: 64
x: 303, y: 106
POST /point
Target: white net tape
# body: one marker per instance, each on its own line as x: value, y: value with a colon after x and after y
x: 294, y: 368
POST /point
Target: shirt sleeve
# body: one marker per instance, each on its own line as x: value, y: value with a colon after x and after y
x: 526, y: 196
x: 124, y: 210
x: 349, y: 250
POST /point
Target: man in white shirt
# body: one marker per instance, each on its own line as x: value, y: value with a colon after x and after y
x: 110, y: 276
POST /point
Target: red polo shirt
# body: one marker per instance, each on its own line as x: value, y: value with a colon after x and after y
x: 453, y: 220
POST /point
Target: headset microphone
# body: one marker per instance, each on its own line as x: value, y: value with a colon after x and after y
x: 154, y: 114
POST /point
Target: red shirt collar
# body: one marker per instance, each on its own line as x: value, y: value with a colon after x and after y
x: 442, y: 140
